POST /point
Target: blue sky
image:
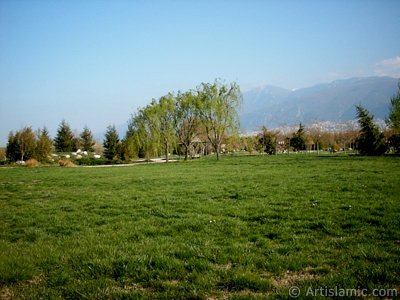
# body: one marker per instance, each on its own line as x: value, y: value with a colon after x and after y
x: 95, y: 62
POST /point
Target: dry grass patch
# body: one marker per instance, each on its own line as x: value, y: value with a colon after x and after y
x: 32, y: 163
x: 66, y: 163
x: 6, y: 294
x: 290, y: 278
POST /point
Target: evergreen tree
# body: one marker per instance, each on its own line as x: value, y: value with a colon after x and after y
x: 87, y: 140
x: 298, y: 141
x: 111, y: 143
x: 12, y: 149
x: 64, y: 141
x: 44, y: 145
x: 393, y: 121
x: 370, y: 140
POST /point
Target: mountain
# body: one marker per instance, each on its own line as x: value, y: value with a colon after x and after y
x: 275, y: 107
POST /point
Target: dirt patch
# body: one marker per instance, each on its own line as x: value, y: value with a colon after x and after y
x: 289, y: 278
x: 6, y: 294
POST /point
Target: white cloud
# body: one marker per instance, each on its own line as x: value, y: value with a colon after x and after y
x: 388, y: 67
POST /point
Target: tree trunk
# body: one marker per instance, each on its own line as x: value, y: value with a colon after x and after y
x: 186, y: 151
x: 217, y: 150
x: 166, y: 152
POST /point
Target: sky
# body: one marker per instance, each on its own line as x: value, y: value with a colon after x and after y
x: 94, y: 62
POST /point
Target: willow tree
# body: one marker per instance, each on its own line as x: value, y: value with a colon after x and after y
x: 142, y: 131
x: 186, y: 119
x: 164, y: 122
x: 217, y: 105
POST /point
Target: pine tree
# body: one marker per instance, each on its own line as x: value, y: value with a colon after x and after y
x: 12, y: 149
x: 370, y: 140
x: 298, y: 141
x: 87, y: 140
x: 64, y: 141
x: 111, y: 143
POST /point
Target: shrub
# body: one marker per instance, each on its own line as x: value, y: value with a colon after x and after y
x: 66, y: 163
x: 32, y: 163
x: 91, y: 161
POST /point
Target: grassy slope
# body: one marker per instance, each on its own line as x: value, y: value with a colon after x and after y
x: 242, y: 227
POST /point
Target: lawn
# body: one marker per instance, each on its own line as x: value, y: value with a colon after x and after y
x: 239, y: 228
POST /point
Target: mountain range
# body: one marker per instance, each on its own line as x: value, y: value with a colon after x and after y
x: 274, y: 107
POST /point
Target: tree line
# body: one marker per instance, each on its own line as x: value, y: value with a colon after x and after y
x: 28, y: 144
x: 171, y: 123
x: 208, y: 113
x: 167, y: 125
x: 368, y: 139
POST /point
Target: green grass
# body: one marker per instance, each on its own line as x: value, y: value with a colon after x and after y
x: 241, y: 228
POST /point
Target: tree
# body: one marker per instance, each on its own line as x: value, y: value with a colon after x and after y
x: 22, y: 145
x: 217, y: 106
x: 27, y: 143
x: 266, y: 141
x: 111, y: 143
x: 129, y: 149
x: 393, y: 121
x: 165, y: 117
x: 44, y: 144
x: 64, y: 141
x: 186, y: 119
x: 12, y: 149
x: 298, y: 141
x: 141, y: 132
x: 87, y: 140
x: 370, y: 140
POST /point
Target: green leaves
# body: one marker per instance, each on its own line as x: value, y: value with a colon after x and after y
x: 210, y: 113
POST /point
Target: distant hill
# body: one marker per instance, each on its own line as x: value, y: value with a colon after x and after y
x: 275, y: 107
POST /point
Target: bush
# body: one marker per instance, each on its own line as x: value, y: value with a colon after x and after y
x: 66, y: 163
x: 91, y: 161
x: 32, y: 163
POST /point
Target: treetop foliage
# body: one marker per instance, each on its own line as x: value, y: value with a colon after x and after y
x: 210, y: 110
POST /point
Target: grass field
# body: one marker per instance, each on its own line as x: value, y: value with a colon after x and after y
x: 240, y: 228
